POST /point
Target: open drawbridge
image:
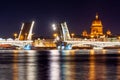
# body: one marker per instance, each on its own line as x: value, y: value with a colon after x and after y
x: 66, y: 42
x: 24, y: 40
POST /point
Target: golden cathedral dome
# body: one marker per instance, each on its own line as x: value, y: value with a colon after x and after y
x: 96, y: 27
x: 96, y: 22
x: 84, y: 33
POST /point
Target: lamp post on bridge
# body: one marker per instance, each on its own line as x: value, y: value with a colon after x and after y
x: 72, y: 34
x: 56, y: 29
x: 15, y: 35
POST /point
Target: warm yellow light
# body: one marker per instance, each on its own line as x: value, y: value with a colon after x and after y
x: 118, y: 37
x: 55, y: 34
x: 91, y: 36
x: 72, y: 34
x: 15, y: 35
x: 21, y: 37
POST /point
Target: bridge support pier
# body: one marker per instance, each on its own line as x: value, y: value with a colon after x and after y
x: 63, y: 46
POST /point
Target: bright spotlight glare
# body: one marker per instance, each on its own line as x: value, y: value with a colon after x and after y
x: 54, y: 27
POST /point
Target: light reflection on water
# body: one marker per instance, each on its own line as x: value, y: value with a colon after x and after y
x: 60, y: 65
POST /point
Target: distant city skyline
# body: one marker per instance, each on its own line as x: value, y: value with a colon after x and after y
x: 77, y: 14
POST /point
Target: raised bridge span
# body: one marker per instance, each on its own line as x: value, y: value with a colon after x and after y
x: 24, y: 40
x: 66, y: 42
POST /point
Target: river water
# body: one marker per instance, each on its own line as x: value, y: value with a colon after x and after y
x: 83, y: 64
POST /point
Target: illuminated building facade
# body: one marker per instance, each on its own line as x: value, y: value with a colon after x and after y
x: 84, y: 33
x: 96, y: 27
x: 108, y: 32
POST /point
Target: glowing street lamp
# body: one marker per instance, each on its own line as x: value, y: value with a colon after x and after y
x: 72, y: 35
x: 55, y: 35
x: 15, y: 35
x: 92, y: 36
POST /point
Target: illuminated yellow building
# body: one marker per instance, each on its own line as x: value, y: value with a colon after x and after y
x: 108, y: 32
x: 96, y: 27
x: 84, y: 33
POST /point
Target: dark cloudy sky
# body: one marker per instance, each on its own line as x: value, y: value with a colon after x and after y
x: 77, y: 14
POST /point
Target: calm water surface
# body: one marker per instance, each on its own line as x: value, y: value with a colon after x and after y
x: 80, y: 64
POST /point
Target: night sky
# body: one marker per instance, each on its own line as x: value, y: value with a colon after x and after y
x: 77, y: 14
